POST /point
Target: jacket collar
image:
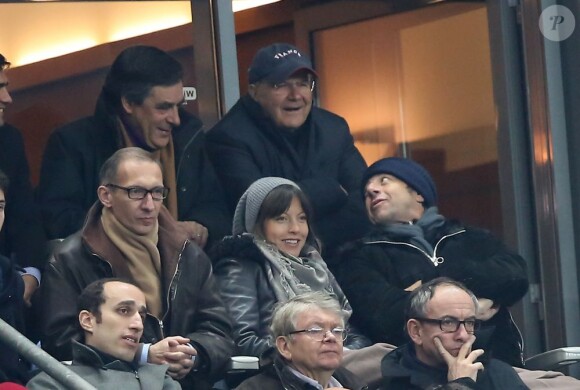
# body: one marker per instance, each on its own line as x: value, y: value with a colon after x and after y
x: 87, y: 356
x: 449, y: 226
x: 172, y: 240
x: 106, y: 113
x: 264, y: 123
x: 403, y: 363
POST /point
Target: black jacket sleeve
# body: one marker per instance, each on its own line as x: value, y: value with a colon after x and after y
x: 487, y: 267
x: 378, y: 306
x: 327, y: 194
x: 69, y: 177
x: 247, y: 296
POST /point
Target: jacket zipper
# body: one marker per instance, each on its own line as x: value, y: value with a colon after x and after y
x: 521, y: 337
x: 173, y: 289
x: 434, y: 259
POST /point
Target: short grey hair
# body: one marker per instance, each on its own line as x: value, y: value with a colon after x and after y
x: 421, y: 296
x: 110, y: 168
x: 285, y: 315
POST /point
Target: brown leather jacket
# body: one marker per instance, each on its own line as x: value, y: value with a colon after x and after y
x: 193, y: 307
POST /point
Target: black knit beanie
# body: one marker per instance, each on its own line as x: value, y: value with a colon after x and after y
x: 408, y: 171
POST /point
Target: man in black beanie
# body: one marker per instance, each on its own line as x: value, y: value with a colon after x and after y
x: 411, y: 244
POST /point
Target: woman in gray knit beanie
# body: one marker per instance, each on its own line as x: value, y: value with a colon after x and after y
x: 272, y: 256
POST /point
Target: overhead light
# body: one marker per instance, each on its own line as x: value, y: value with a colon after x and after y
x: 58, y: 49
x: 114, y: 23
x: 240, y: 5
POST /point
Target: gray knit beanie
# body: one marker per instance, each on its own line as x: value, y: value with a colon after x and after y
x: 251, y: 201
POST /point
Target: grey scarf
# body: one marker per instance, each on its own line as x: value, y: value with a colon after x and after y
x: 290, y: 276
x: 415, y: 232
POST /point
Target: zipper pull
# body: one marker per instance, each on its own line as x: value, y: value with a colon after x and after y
x: 161, y: 328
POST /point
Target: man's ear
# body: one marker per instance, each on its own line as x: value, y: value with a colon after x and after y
x: 104, y: 194
x: 419, y: 198
x: 86, y: 320
x: 414, y: 331
x: 282, y: 344
x: 252, y: 91
x: 127, y: 106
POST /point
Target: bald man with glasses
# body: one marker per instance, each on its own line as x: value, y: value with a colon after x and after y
x: 441, y: 324
x: 129, y: 234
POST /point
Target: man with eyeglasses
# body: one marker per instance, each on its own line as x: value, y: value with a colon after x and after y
x: 128, y: 233
x: 441, y: 322
x: 275, y: 130
x: 141, y: 104
x: 308, y: 330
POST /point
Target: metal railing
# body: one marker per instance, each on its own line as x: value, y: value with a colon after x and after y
x: 35, y: 355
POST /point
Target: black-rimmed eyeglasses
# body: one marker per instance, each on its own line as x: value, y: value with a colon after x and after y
x: 138, y: 193
x: 451, y: 325
x: 318, y: 334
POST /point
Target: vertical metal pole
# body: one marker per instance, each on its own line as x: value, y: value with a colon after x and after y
x: 215, y: 58
x: 552, y: 189
x: 227, y: 55
x: 513, y: 155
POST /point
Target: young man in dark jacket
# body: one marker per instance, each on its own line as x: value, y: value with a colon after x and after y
x: 140, y: 105
x: 441, y: 324
x: 110, y: 314
x: 130, y: 234
x: 412, y: 244
x: 275, y: 131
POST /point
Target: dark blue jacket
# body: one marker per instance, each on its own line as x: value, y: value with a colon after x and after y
x: 320, y: 157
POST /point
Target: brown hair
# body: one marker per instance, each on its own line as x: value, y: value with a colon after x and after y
x: 278, y: 202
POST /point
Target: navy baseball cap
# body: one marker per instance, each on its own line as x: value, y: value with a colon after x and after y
x: 277, y: 62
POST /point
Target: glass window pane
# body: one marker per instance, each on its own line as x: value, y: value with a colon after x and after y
x: 420, y: 84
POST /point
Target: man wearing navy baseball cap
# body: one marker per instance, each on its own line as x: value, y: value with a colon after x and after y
x: 275, y: 130
x: 411, y: 244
